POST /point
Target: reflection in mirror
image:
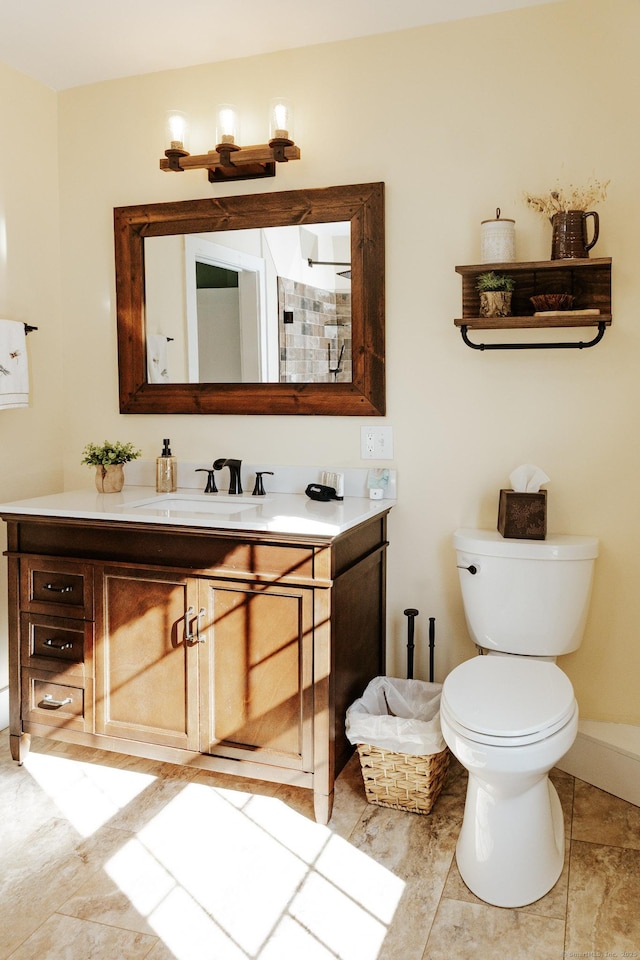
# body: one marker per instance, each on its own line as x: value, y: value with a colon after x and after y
x: 268, y: 305
x: 261, y: 304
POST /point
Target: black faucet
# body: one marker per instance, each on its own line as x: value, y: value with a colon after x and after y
x: 235, y: 482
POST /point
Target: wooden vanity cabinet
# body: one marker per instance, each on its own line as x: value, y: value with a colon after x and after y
x: 232, y: 652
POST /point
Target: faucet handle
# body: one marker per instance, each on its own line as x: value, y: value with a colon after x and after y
x: 258, y: 490
x: 211, y: 480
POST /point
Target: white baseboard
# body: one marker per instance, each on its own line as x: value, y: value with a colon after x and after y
x: 607, y: 755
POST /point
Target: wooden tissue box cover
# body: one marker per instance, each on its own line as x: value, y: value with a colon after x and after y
x: 523, y: 516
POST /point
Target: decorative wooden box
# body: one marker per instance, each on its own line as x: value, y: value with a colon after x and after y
x: 523, y: 516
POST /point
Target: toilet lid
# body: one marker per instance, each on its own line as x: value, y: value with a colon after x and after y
x: 508, y: 700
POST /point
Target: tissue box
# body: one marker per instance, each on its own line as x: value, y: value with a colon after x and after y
x: 523, y: 515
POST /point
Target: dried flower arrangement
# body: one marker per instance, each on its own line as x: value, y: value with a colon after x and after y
x: 573, y: 198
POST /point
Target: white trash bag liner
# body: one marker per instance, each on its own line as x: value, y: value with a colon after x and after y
x: 402, y: 716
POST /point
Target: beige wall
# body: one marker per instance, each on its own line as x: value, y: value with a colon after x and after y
x: 456, y: 119
x: 31, y: 439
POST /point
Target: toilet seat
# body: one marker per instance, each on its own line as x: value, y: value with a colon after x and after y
x: 507, y: 701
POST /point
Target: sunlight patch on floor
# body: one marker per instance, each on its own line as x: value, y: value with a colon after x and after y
x: 190, y: 933
x: 368, y: 883
x: 243, y: 877
x: 87, y: 794
x: 140, y: 876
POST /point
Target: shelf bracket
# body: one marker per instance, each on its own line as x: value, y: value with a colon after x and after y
x: 572, y: 345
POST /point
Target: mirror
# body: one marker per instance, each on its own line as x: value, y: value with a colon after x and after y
x: 250, y: 306
x: 345, y: 379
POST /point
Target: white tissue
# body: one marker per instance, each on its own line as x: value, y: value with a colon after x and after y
x: 527, y: 478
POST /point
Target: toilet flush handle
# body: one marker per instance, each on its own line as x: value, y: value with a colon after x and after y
x: 472, y: 568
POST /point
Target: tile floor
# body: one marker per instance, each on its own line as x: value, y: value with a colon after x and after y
x: 111, y: 857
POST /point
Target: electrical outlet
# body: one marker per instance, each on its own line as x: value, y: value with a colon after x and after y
x: 376, y: 443
x: 367, y: 443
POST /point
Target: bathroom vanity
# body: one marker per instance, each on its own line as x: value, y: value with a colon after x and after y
x: 231, y: 640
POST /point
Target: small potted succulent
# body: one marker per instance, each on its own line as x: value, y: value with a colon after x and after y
x: 108, y: 459
x: 495, y: 291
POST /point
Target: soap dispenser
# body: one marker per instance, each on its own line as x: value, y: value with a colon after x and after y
x: 166, y: 470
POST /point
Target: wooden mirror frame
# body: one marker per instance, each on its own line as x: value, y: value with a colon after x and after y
x: 360, y: 204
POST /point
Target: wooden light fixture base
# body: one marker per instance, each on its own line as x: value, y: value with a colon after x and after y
x: 230, y: 162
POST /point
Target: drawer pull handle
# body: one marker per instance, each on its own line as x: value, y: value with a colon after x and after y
x: 52, y: 587
x: 52, y: 704
x: 57, y: 644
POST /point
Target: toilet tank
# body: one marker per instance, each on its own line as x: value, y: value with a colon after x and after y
x: 527, y: 597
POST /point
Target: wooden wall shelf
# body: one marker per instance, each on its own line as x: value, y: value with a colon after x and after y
x: 589, y: 281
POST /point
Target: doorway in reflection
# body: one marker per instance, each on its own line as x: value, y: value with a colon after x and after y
x: 218, y: 324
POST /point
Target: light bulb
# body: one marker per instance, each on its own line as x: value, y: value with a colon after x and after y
x: 177, y: 129
x: 280, y: 119
x: 226, y: 123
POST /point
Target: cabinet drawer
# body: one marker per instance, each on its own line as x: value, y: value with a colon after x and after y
x: 56, y: 644
x: 53, y: 704
x: 57, y: 586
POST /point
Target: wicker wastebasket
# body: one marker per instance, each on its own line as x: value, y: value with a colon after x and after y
x: 402, y: 715
x: 401, y: 780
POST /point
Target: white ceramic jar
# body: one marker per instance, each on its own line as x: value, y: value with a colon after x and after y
x: 498, y: 240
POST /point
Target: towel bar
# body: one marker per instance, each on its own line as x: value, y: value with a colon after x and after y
x: 574, y: 344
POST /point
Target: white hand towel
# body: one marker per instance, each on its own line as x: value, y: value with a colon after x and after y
x: 14, y: 369
x: 157, y: 368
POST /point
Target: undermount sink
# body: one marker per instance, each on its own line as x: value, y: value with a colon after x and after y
x: 174, y: 504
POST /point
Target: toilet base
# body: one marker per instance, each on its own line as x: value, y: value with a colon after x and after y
x: 510, y: 851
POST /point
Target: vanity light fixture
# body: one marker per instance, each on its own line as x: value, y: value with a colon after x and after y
x: 229, y: 161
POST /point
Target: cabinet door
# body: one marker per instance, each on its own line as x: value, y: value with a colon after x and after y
x: 146, y: 665
x: 256, y: 684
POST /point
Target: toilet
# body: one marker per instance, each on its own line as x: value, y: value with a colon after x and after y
x: 510, y: 714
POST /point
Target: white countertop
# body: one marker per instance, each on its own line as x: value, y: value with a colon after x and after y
x: 277, y: 513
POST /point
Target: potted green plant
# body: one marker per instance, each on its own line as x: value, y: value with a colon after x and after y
x: 495, y: 294
x: 108, y: 459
